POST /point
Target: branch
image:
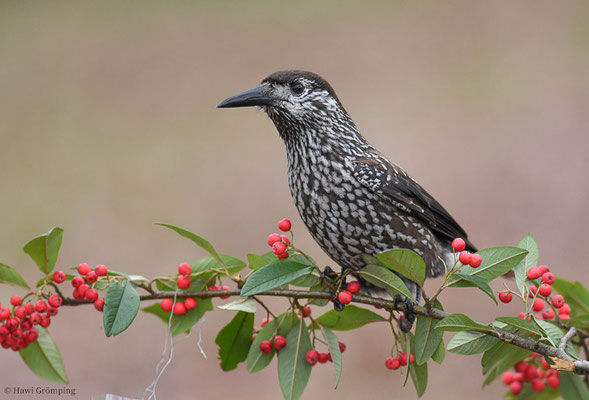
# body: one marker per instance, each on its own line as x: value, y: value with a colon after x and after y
x: 558, y: 354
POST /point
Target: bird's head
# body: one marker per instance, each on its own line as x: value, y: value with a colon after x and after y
x: 294, y: 100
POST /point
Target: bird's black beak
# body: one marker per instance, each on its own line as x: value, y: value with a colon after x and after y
x: 252, y: 97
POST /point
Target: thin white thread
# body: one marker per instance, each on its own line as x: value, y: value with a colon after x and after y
x: 200, y: 338
x: 165, y: 359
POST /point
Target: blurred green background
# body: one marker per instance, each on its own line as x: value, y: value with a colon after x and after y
x: 108, y: 124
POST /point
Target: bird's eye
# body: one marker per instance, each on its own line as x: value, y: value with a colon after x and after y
x: 297, y: 88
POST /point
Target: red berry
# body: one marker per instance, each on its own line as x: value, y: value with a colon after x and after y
x: 345, y: 297
x: 283, y: 255
x: 16, y: 300
x: 392, y: 363
x: 323, y: 358
x: 78, y: 295
x: 279, y: 342
x: 458, y: 244
x: 266, y: 347
x: 553, y: 381
x: 557, y: 301
x: 411, y: 358
x: 273, y: 238
x: 312, y: 357
x: 12, y: 323
x: 212, y: 288
x: 99, y: 304
x: 565, y: 309
x: 51, y: 311
x: 538, y: 305
x: 285, y: 239
x: 190, y: 303
x: 564, y: 316
x: 465, y: 258
x: 58, y: 276
x: 45, y: 320
x: 403, y: 358
x: 548, y: 313
x: 167, y: 305
x: 342, y: 347
x: 545, y: 290
x: 521, y: 315
x: 305, y: 311
x: 77, y: 281
x: 515, y: 387
x: 20, y: 312
x: 92, y: 295
x: 530, y: 373
x: 353, y: 287
x: 519, y: 376
x: 83, y: 289
x: 183, y: 282
x: 184, y: 269
x: 278, y: 248
x: 91, y: 277
x: 538, y: 385
x: 534, y: 273
x: 29, y: 308
x: 284, y: 225
x: 521, y: 366
x: 476, y: 260
x: 54, y: 300
x: 179, y: 308
x: 265, y: 321
x: 507, y: 378
x: 505, y: 296
x: 545, y: 364
x: 4, y: 313
x: 101, y: 270
x: 83, y: 269
x: 543, y: 269
x: 548, y: 277
x: 225, y: 287
x: 532, y: 291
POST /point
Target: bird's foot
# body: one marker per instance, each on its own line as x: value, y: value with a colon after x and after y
x: 335, y: 281
x: 406, y: 323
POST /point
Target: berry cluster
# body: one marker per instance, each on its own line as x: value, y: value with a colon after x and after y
x: 279, y: 343
x: 465, y: 257
x: 538, y: 374
x: 313, y: 356
x: 180, y: 307
x: 278, y: 242
x: 83, y: 284
x: 541, y: 295
x: 400, y: 361
x: 17, y: 325
x: 345, y: 296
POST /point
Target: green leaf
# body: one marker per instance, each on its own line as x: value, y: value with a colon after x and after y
x: 256, y: 360
x: 418, y: 372
x: 555, y: 334
x: 351, y: 317
x: 181, y: 323
x: 306, y: 281
x: 501, y: 357
x: 460, y: 322
x: 335, y: 352
x: 232, y: 264
x: 440, y: 353
x: 468, y: 342
x: 274, y: 275
x: 293, y: 370
x: 235, y: 339
x: 496, y: 262
x: 121, y: 304
x: 530, y: 260
x: 199, y: 241
x: 474, y: 281
x: 43, y: 358
x: 574, y: 294
x: 427, y: 339
x: 523, y: 325
x: 44, y: 249
x: 572, y: 387
x: 256, y: 262
x: 10, y: 276
x: 404, y: 261
x: 580, y: 321
x: 246, y: 304
x: 385, y: 279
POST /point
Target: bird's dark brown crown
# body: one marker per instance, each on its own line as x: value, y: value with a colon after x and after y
x: 291, y: 75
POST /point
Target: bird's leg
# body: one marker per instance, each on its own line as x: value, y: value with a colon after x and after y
x: 338, y: 281
x: 406, y: 323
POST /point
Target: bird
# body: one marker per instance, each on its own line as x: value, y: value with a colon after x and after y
x: 352, y: 198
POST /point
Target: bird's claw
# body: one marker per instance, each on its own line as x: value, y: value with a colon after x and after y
x: 409, y: 316
x: 337, y: 281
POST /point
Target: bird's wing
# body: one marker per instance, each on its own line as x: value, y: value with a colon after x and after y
x: 394, y: 185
